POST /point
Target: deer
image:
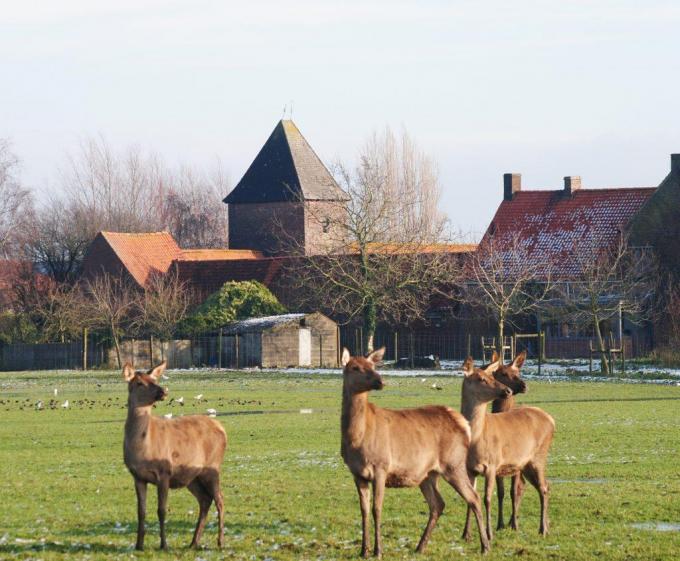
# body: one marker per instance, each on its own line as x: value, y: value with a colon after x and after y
x: 171, y: 454
x: 401, y: 448
x: 504, y: 443
x: 509, y: 375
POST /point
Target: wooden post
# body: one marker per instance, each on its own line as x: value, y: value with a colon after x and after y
x: 84, y: 348
x: 236, y: 348
x: 337, y: 345
x: 321, y: 351
x: 540, y: 352
x: 219, y: 349
x: 412, y: 347
x: 151, y: 351
x: 396, y: 347
x: 469, y: 345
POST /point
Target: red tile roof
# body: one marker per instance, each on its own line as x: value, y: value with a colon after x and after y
x: 143, y: 254
x: 219, y: 254
x: 550, y: 224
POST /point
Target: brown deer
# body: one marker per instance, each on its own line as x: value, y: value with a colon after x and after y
x: 509, y: 375
x: 504, y: 443
x: 171, y: 454
x: 401, y: 448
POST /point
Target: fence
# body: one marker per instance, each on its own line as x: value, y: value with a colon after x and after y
x: 458, y: 344
x: 239, y: 351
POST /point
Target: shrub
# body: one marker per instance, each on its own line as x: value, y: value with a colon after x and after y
x: 234, y: 301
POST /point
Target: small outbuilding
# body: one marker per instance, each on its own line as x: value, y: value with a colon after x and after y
x: 281, y: 341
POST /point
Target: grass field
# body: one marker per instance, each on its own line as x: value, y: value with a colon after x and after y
x: 65, y: 493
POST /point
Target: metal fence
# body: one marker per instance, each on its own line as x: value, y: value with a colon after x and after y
x: 240, y: 352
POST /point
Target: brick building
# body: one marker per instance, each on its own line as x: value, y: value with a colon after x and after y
x: 287, y: 201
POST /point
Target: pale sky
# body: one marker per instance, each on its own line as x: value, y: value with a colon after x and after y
x: 546, y: 89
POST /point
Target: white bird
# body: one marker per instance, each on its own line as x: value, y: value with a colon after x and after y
x: 423, y: 380
x: 164, y: 377
x: 39, y: 404
x: 198, y: 397
x: 211, y: 412
x: 180, y: 400
x: 168, y: 415
x: 435, y: 386
x: 56, y: 391
x: 65, y: 404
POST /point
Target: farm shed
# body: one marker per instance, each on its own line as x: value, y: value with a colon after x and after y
x: 281, y: 341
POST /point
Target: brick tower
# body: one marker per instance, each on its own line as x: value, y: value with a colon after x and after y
x: 287, y: 201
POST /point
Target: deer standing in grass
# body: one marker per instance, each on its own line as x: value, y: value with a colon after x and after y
x: 171, y: 454
x: 509, y: 375
x: 505, y: 443
x: 401, y: 448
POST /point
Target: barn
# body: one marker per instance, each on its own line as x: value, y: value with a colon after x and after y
x: 281, y: 341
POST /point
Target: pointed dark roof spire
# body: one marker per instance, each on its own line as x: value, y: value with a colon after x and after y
x: 286, y: 169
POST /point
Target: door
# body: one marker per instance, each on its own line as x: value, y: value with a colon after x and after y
x: 305, y: 347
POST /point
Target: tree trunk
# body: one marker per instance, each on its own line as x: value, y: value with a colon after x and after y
x: 117, y: 345
x: 604, y: 363
x: 370, y: 323
x: 501, y: 335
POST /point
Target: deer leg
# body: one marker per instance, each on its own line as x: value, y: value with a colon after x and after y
x: 463, y: 484
x: 467, y: 535
x: 365, y: 504
x: 436, y: 504
x: 163, y: 486
x: 204, y: 502
x: 216, y: 493
x: 516, y: 492
x: 500, y: 485
x: 488, y: 494
x: 140, y: 489
x: 536, y: 476
x: 378, y: 496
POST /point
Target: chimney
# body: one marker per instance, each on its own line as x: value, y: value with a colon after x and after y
x: 512, y: 183
x: 571, y: 183
x: 675, y: 163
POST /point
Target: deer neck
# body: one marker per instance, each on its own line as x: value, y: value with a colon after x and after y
x: 354, y: 417
x: 137, y: 423
x: 502, y: 404
x: 475, y: 412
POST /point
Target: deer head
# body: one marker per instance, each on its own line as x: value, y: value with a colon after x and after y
x: 481, y: 384
x: 359, y: 373
x: 143, y: 389
x: 509, y: 374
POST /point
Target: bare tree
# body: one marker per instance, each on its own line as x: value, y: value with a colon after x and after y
x: 60, y: 311
x: 504, y: 280
x: 112, y: 304
x: 611, y: 279
x: 57, y: 238
x: 164, y: 304
x: 15, y: 201
x: 118, y: 190
x: 193, y: 210
x: 384, y: 253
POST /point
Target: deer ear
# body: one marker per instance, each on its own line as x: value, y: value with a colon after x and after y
x: 494, y: 357
x: 128, y: 372
x: 468, y: 366
x: 156, y: 372
x: 493, y: 367
x: 376, y: 356
x: 519, y: 359
x: 345, y: 357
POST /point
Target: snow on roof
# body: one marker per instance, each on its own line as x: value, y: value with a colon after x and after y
x: 255, y: 325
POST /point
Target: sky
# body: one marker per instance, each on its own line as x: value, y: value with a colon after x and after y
x: 546, y: 89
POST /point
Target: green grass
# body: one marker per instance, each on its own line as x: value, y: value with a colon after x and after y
x: 65, y: 493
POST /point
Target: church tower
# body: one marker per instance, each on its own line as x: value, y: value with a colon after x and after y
x: 287, y: 201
